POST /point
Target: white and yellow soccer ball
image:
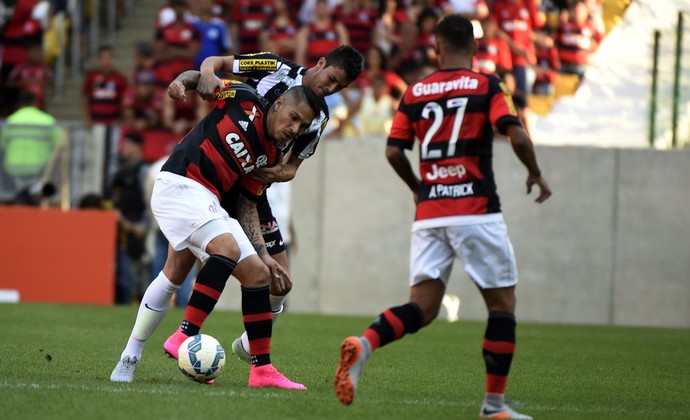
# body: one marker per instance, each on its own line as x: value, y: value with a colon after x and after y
x: 201, y: 358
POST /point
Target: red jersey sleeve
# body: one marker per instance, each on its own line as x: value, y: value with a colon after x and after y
x: 402, y: 132
x: 502, y: 111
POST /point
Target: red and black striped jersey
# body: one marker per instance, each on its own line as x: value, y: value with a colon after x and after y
x: 518, y: 20
x: 104, y: 93
x: 251, y: 16
x: 179, y: 36
x: 451, y: 113
x: 278, y: 32
x: 576, y: 43
x: 359, y: 24
x: 320, y: 42
x: 230, y: 142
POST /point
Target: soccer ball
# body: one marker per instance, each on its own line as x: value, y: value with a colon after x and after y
x: 201, y: 357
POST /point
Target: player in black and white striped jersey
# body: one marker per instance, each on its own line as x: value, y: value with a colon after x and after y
x: 271, y: 76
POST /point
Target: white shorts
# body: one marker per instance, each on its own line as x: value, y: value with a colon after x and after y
x: 190, y: 216
x: 484, y: 248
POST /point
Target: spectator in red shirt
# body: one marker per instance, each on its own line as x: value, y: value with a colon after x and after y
x: 103, y: 89
x: 178, y: 43
x: 279, y: 36
x: 143, y: 103
x: 102, y: 92
x: 33, y: 75
x: 180, y: 116
x: 517, y: 18
x: 358, y: 17
x: 576, y: 39
x: 249, y: 18
x: 145, y: 60
x: 168, y: 13
x: 407, y: 59
x: 493, y: 53
x: 317, y: 39
x: 20, y: 28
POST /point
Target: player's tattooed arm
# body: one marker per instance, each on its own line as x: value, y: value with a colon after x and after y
x: 186, y: 81
x: 248, y: 217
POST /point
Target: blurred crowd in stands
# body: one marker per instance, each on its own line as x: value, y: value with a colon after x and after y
x: 525, y: 42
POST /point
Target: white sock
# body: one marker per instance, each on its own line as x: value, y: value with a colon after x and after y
x: 494, y: 400
x: 276, y: 306
x: 276, y: 310
x: 154, y: 305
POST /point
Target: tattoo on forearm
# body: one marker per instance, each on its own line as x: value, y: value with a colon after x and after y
x: 189, y: 79
x: 248, y: 217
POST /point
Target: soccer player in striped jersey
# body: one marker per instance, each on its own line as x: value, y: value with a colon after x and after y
x: 241, y: 133
x: 271, y: 75
x: 452, y: 112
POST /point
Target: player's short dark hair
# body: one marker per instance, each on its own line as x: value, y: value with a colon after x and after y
x: 304, y: 94
x: 348, y: 59
x: 456, y: 33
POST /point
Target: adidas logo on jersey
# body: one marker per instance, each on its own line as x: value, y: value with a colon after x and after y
x: 244, y: 125
x: 253, y: 113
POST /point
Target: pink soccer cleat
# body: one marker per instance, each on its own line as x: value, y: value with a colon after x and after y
x: 267, y: 376
x: 173, y: 343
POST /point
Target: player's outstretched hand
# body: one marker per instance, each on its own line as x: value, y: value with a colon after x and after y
x: 176, y: 91
x: 544, y: 190
x: 208, y: 84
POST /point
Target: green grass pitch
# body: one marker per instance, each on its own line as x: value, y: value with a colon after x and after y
x: 55, y: 361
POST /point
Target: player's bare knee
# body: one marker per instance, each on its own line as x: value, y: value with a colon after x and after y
x: 263, y: 276
x: 224, y: 245
x: 177, y: 266
x: 256, y: 275
x: 500, y: 300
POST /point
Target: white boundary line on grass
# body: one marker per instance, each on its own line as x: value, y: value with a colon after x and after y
x: 529, y: 407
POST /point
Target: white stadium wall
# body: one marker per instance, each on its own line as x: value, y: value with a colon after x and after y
x: 610, y: 247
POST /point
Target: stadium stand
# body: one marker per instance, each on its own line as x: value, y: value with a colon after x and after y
x: 611, y: 106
